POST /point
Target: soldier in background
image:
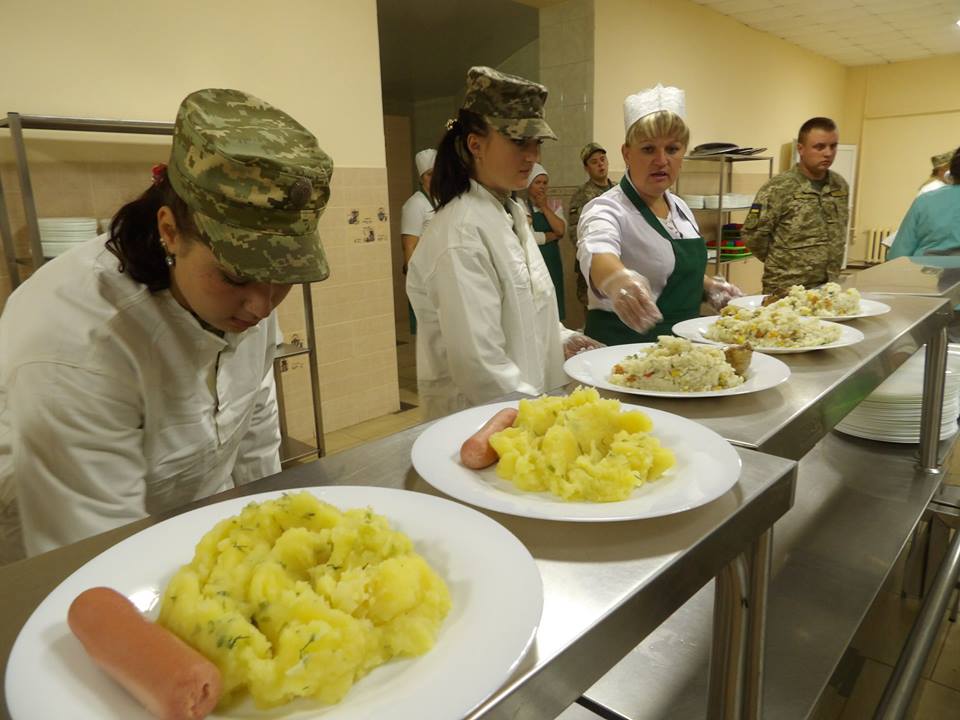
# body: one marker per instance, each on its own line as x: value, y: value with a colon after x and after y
x: 797, y: 225
x: 594, y: 159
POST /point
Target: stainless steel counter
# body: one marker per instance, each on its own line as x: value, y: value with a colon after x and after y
x: 823, y: 387
x: 857, y: 504
x: 931, y: 275
x: 606, y: 586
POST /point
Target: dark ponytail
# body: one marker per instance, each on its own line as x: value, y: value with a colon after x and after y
x: 454, y: 164
x: 135, y: 238
x: 955, y: 167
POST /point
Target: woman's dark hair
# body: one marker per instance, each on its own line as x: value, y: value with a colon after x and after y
x: 135, y: 239
x: 955, y: 167
x: 454, y: 163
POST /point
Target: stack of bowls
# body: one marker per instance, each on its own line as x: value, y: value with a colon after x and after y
x: 891, y: 413
x: 57, y: 235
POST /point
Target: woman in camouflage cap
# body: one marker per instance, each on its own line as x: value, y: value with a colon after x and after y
x: 136, y: 370
x: 486, y: 310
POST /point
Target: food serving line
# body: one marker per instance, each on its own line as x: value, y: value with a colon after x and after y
x: 857, y: 503
x: 607, y: 586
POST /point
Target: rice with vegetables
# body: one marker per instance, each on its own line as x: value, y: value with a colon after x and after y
x: 771, y: 327
x: 826, y: 301
x: 676, y: 365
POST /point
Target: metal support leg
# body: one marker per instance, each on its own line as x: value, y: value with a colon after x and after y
x: 314, y: 370
x: 906, y: 675
x: 759, y: 568
x: 729, y: 639
x: 26, y: 190
x: 933, y: 380
x: 6, y: 240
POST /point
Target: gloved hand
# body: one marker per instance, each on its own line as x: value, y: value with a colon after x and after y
x: 721, y: 292
x: 632, y: 299
x: 577, y: 343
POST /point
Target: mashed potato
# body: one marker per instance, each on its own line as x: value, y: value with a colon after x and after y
x: 827, y: 301
x: 293, y: 598
x: 771, y: 327
x: 676, y: 365
x: 580, y: 447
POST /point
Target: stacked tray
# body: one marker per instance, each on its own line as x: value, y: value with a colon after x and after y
x: 892, y: 412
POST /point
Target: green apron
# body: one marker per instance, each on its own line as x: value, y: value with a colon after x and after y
x: 413, y: 317
x: 681, y: 296
x: 551, y: 257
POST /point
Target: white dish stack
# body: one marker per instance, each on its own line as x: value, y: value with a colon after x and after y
x: 891, y: 413
x: 731, y: 201
x: 57, y: 235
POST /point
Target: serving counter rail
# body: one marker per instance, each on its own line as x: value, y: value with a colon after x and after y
x: 858, y: 502
x: 606, y: 586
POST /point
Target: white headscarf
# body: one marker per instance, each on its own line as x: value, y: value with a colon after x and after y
x: 537, y: 170
x: 425, y: 160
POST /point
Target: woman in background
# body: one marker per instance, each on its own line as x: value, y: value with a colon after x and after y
x: 546, y: 220
x: 484, y: 301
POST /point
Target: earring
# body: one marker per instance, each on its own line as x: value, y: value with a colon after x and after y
x: 168, y: 257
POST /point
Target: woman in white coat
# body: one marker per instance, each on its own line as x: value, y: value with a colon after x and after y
x: 485, y: 305
x: 136, y: 370
x: 416, y: 214
x: 638, y: 243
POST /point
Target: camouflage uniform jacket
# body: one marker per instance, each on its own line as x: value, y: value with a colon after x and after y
x: 798, y: 231
x: 581, y: 196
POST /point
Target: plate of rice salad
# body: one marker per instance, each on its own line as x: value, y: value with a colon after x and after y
x: 676, y: 368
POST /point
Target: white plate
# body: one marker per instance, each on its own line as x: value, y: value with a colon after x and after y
x: 868, y: 308
x: 695, y: 329
x: 707, y: 466
x: 594, y: 367
x: 497, y: 599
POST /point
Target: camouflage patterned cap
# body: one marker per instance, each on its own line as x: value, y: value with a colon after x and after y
x: 256, y: 183
x: 511, y: 104
x: 941, y: 160
x: 589, y: 149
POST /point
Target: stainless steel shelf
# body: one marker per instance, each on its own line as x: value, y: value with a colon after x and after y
x: 100, y: 125
x: 856, y: 506
x: 288, y: 350
x: 606, y: 586
x: 824, y: 386
x: 930, y: 275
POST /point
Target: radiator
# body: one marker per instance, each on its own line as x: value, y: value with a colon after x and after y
x: 876, y: 250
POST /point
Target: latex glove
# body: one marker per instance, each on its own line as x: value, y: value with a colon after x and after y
x: 577, y: 343
x: 632, y: 299
x: 721, y: 292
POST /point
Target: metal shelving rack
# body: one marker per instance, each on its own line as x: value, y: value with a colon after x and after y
x: 291, y: 449
x: 725, y: 163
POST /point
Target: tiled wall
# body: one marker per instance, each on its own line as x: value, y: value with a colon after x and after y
x: 353, y: 309
x: 566, y: 68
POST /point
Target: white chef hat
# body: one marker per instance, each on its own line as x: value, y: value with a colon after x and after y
x: 651, y: 100
x: 537, y: 169
x: 425, y: 160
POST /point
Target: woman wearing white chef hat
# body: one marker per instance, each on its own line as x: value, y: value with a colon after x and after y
x: 546, y: 220
x: 639, y: 244
x: 416, y: 214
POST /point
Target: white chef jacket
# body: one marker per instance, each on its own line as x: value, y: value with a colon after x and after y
x: 115, y: 403
x: 416, y: 214
x: 487, y: 321
x: 610, y: 223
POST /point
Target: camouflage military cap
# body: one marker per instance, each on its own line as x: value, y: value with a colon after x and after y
x: 589, y: 149
x: 511, y: 104
x: 256, y: 183
x: 941, y: 160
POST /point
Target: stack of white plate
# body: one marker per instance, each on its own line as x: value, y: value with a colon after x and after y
x: 57, y: 235
x: 693, y: 201
x: 105, y: 224
x: 731, y: 201
x: 891, y: 413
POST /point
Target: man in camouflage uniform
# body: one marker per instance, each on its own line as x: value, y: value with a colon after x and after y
x: 594, y: 159
x: 798, y: 223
